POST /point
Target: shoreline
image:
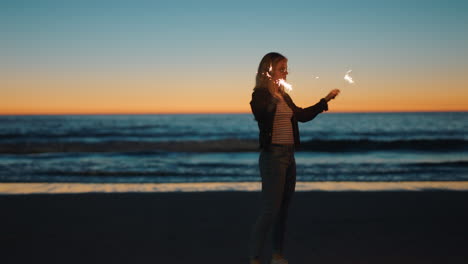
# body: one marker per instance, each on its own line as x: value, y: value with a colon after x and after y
x: 76, y: 188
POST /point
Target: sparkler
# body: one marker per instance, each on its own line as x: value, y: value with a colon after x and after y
x: 289, y: 87
x: 281, y: 82
x: 286, y: 85
x: 348, y: 77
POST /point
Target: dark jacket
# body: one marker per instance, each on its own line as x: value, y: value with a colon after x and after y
x: 263, y: 106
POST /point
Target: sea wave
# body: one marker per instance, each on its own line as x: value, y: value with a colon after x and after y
x: 233, y: 145
x: 376, y: 145
x: 105, y: 136
x: 451, y: 164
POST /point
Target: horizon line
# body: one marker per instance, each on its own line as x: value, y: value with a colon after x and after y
x: 227, y: 112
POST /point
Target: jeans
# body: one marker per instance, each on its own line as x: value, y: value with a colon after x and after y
x: 278, y: 173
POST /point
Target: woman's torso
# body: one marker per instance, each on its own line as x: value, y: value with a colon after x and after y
x: 282, y: 133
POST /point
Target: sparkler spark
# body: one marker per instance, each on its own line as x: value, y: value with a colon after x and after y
x: 286, y: 85
x: 348, y: 77
x: 281, y: 82
x: 268, y: 72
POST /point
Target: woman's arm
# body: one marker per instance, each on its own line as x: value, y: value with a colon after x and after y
x: 261, y: 104
x: 309, y: 113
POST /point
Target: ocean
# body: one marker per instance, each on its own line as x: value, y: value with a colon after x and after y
x: 338, y: 147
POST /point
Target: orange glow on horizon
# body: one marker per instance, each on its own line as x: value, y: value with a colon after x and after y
x: 131, y: 93
x: 142, y: 112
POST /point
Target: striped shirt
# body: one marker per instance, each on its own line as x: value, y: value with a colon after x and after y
x: 282, y: 126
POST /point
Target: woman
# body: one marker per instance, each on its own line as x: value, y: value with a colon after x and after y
x: 277, y: 118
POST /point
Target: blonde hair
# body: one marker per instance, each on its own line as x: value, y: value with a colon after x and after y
x: 264, y: 72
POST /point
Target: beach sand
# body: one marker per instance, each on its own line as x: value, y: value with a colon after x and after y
x: 214, y: 227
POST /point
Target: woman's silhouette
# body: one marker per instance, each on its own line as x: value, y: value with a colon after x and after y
x: 277, y: 118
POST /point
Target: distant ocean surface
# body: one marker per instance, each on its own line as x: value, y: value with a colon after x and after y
x: 223, y: 148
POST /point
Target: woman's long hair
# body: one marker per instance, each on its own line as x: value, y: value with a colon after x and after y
x: 264, y: 73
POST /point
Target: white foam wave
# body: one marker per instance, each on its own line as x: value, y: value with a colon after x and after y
x: 64, y: 188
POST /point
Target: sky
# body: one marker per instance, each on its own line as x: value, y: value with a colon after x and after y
x: 132, y: 57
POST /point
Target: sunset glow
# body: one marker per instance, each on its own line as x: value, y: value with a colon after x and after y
x: 136, y: 58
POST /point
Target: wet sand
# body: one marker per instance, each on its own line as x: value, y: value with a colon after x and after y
x: 214, y: 227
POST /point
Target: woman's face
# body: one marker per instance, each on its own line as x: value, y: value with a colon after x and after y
x: 280, y: 71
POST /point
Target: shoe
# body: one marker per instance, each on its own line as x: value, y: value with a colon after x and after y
x: 278, y: 260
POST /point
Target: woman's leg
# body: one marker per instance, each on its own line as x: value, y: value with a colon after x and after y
x: 273, y: 167
x: 279, y: 230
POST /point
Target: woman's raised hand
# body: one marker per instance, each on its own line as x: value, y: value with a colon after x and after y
x: 333, y: 93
